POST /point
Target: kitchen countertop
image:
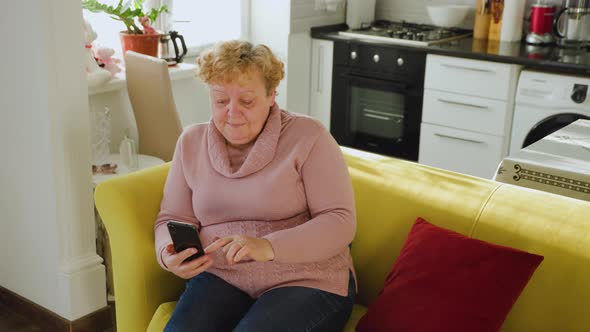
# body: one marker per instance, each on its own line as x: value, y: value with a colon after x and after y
x: 549, y: 58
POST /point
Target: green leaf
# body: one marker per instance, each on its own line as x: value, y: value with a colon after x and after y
x: 127, y: 5
x: 139, y: 4
x: 91, y: 5
x: 154, y: 13
x: 125, y: 11
x: 119, y: 6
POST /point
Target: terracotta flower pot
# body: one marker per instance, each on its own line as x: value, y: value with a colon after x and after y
x: 145, y: 44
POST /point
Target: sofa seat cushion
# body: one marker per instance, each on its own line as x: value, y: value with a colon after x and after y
x: 358, y: 311
x: 164, y: 312
x: 445, y: 281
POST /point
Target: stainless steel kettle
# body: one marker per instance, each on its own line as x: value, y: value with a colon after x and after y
x: 572, y: 24
x: 167, y: 44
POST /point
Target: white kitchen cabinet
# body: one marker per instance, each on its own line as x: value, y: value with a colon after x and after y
x: 470, y: 77
x: 467, y: 114
x: 322, y: 52
x: 460, y: 150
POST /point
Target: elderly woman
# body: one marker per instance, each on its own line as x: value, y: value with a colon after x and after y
x: 271, y: 195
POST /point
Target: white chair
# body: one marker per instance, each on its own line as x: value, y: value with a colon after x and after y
x: 150, y: 93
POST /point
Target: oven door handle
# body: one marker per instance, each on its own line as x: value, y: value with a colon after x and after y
x: 362, y: 79
x: 375, y: 116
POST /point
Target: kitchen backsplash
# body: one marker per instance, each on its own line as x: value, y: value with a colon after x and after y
x: 415, y: 10
x: 308, y: 13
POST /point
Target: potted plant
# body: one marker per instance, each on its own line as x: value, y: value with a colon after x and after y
x: 133, y: 15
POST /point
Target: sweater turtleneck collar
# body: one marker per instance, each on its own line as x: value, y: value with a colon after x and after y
x: 261, y: 153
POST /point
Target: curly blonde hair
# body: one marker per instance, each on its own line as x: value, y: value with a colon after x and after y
x: 230, y: 61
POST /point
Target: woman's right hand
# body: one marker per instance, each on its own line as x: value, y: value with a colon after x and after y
x: 187, y: 270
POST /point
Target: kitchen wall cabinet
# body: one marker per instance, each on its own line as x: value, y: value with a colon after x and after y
x: 322, y: 54
x: 467, y: 114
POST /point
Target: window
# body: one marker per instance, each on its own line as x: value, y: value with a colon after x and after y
x: 203, y: 22
x: 200, y: 22
x: 106, y: 28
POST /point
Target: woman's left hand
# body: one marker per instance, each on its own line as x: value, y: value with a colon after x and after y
x: 239, y: 248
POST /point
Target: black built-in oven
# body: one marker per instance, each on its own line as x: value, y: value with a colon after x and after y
x: 377, y: 98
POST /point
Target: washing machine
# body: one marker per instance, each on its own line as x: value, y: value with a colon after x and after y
x: 546, y: 103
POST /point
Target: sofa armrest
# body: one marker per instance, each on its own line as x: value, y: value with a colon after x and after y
x: 128, y: 206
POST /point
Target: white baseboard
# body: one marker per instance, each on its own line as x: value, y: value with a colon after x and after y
x: 83, y: 292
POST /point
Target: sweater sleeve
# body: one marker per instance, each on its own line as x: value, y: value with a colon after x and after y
x: 176, y: 202
x: 330, y: 200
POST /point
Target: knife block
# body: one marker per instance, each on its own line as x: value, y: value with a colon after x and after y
x: 481, y: 27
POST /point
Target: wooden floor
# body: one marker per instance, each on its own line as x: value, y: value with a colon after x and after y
x: 10, y: 321
x: 13, y: 322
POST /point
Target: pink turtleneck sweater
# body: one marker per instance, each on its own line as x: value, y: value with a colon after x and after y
x: 291, y: 186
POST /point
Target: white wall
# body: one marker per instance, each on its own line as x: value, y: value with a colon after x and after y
x: 191, y: 97
x: 305, y: 14
x: 284, y: 26
x: 298, y: 72
x: 47, y: 235
x: 415, y: 11
x: 269, y: 25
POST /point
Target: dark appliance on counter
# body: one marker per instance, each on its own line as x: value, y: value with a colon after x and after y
x: 572, y: 24
x: 168, y: 48
x: 377, y: 98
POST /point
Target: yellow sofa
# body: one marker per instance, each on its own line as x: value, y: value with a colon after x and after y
x: 390, y: 194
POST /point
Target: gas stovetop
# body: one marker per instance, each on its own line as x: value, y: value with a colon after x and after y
x: 407, y: 33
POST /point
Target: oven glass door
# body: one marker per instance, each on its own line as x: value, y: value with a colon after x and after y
x: 377, y: 115
x: 376, y: 112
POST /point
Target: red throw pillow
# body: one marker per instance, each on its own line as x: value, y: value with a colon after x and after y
x: 445, y: 281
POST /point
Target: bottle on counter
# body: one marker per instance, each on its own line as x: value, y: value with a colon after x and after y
x: 496, y: 11
x: 128, y: 152
x: 506, y: 20
x: 512, y: 21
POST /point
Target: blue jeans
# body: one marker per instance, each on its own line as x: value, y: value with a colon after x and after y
x: 209, y: 304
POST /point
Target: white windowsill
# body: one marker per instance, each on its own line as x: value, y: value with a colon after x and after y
x: 194, y: 51
x: 178, y: 72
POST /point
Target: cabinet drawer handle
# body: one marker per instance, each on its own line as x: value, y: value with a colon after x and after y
x: 459, y: 138
x: 376, y: 117
x: 481, y: 70
x: 462, y: 104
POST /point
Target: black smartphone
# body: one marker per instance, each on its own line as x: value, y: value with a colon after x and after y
x: 185, y: 236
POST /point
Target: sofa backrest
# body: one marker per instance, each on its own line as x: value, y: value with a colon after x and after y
x: 390, y: 194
